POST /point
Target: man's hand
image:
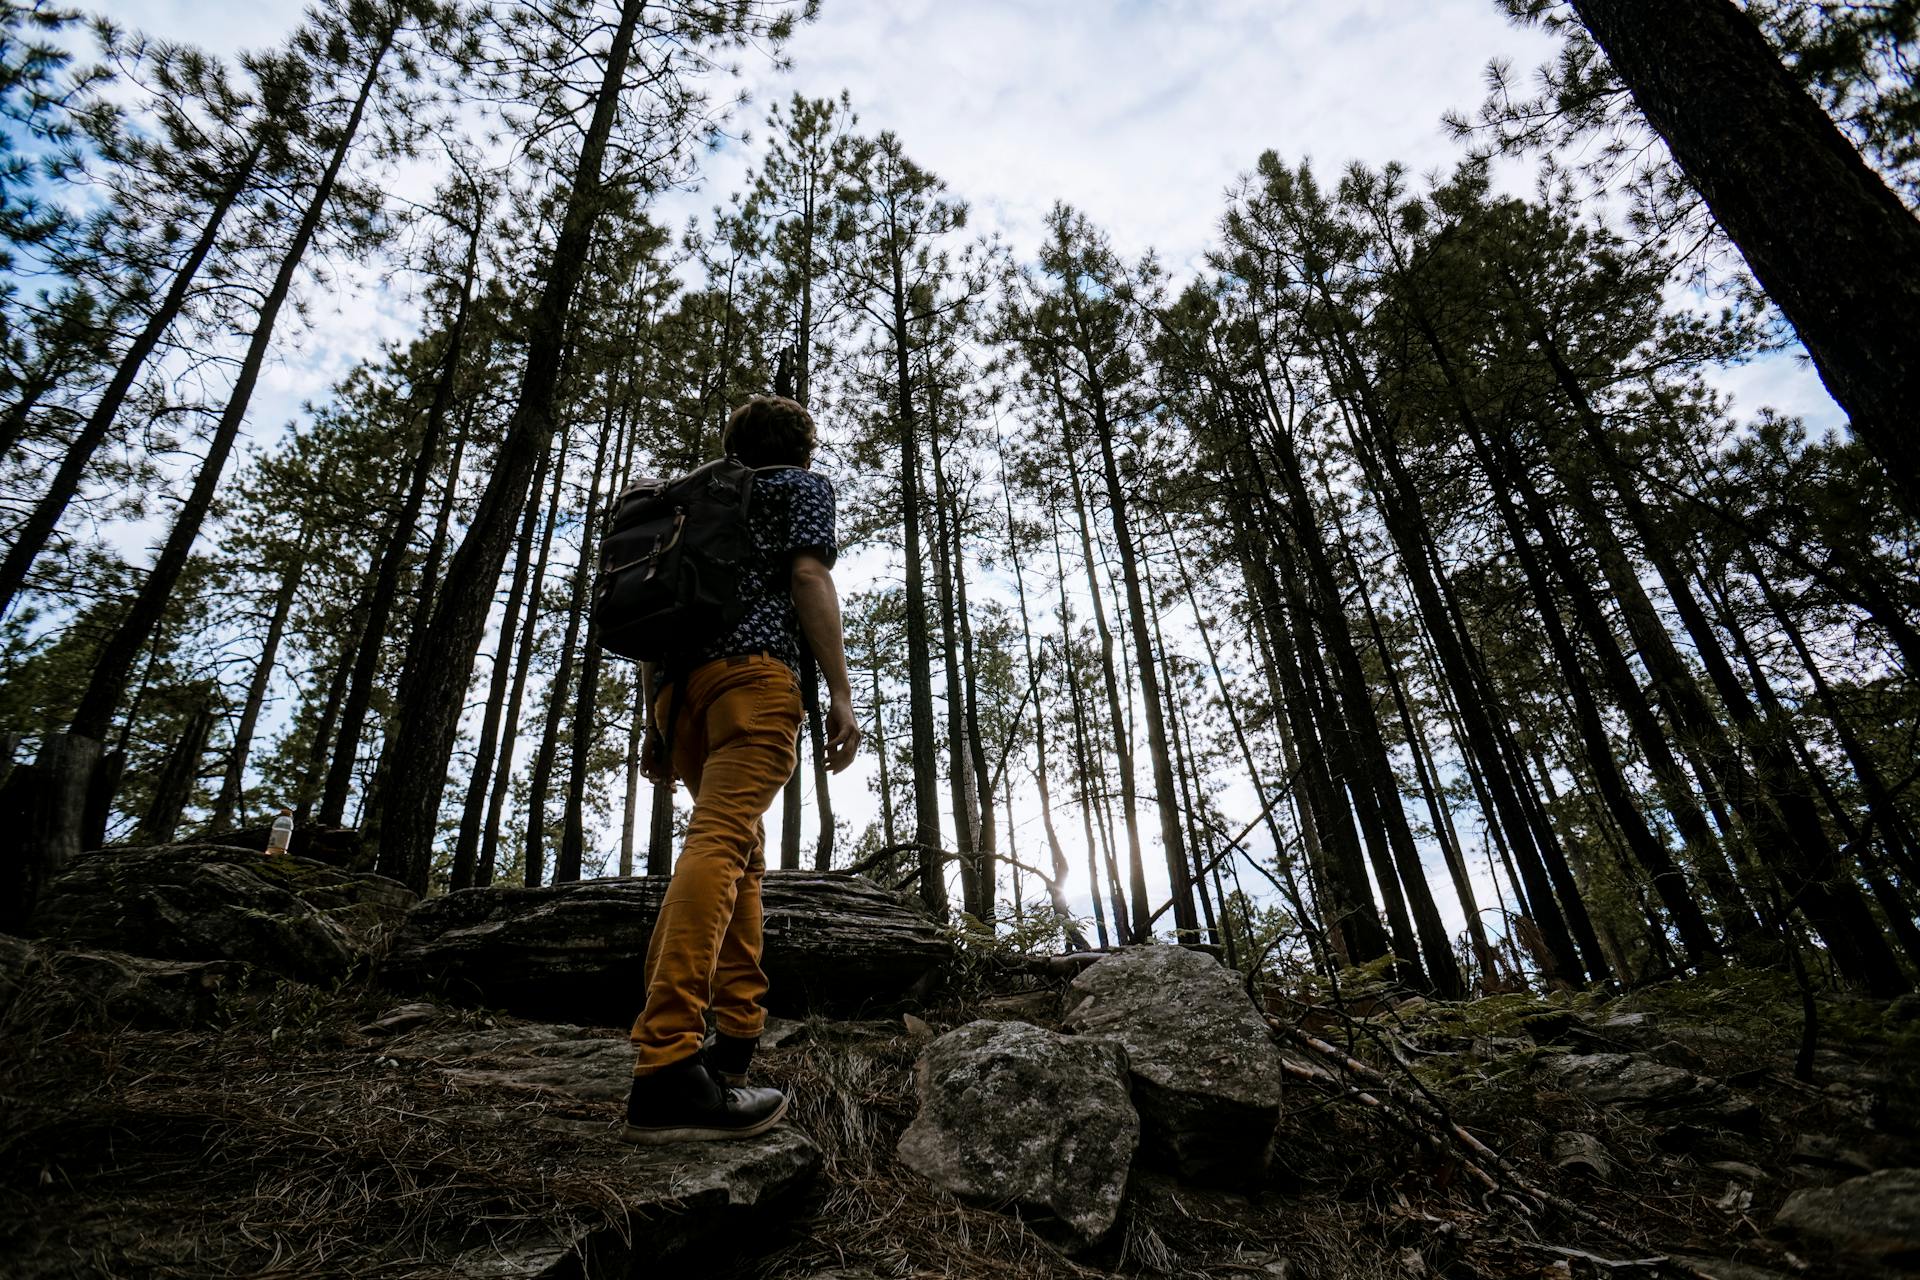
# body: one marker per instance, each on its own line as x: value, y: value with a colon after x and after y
x: 654, y: 766
x: 843, y: 734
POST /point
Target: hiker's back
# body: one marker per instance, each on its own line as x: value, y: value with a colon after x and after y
x: 695, y: 568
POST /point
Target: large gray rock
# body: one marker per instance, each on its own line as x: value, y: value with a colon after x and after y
x: 1876, y: 1218
x: 1206, y: 1075
x: 576, y: 952
x: 51, y: 988
x: 289, y: 916
x: 1012, y: 1114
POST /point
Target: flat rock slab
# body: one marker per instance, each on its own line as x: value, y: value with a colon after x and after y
x: 1627, y: 1080
x: 289, y: 916
x: 1012, y: 1114
x: 1875, y: 1218
x: 666, y: 1200
x: 576, y: 952
x: 1206, y: 1075
x: 50, y: 988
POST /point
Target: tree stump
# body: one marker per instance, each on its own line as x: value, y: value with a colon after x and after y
x: 45, y: 805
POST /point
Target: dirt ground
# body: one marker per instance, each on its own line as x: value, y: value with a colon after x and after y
x: 282, y: 1142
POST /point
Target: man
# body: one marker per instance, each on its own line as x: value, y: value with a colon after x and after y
x: 727, y: 727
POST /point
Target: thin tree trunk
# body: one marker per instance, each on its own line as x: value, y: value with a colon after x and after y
x: 1368, y: 748
x: 822, y: 793
x: 522, y: 668
x: 173, y: 788
x: 1083, y: 758
x: 563, y: 678
x: 1057, y: 856
x: 1505, y: 477
x: 466, y: 849
x: 329, y: 713
x: 233, y: 781
x: 333, y: 801
x: 31, y: 538
x: 926, y: 796
x: 1173, y: 844
x: 108, y: 683
x: 630, y: 807
x: 960, y: 780
x: 887, y: 830
x: 1138, y: 929
x: 573, y: 838
x: 984, y: 834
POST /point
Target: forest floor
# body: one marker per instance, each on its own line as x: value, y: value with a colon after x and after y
x: 281, y: 1144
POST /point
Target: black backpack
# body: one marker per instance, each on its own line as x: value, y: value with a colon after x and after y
x: 672, y: 562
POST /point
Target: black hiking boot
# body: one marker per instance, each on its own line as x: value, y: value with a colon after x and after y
x: 728, y: 1058
x: 684, y: 1103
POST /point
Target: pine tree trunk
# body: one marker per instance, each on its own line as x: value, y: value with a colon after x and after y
x: 630, y: 806
x: 1442, y: 822
x: 522, y: 668
x: 1056, y: 855
x: 660, y: 831
x: 434, y: 690
x: 792, y: 807
x: 317, y: 756
x: 888, y: 831
x: 1083, y: 756
x: 1369, y: 751
x: 31, y: 537
x: 1505, y: 478
x: 233, y: 781
x: 981, y: 773
x: 1173, y: 844
x: 107, y: 684
x: 926, y: 795
x: 822, y: 793
x: 1138, y: 928
x: 960, y: 780
x: 466, y: 849
x: 1406, y: 526
x: 1824, y: 235
x: 173, y: 788
x: 366, y: 669
x: 1885, y: 815
x: 563, y: 676
x: 573, y: 838
x: 1340, y: 875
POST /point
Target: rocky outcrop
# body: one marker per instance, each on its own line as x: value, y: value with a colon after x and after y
x: 1206, y: 1075
x: 289, y: 916
x: 576, y: 952
x: 670, y: 1200
x: 1012, y: 1114
x: 1873, y: 1219
x: 50, y: 988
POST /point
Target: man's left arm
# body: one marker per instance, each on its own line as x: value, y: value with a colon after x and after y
x: 817, y: 603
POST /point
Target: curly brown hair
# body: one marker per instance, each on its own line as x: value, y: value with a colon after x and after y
x: 770, y: 431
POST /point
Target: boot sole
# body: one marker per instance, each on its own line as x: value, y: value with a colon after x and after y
x: 655, y: 1137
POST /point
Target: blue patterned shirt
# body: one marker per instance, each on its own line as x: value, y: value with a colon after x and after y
x: 792, y: 511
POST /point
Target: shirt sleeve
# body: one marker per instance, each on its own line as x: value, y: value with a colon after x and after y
x: 810, y: 517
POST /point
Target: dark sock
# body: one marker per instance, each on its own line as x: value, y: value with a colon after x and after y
x: 732, y: 1054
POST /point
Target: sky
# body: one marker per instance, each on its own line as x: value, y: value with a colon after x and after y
x: 1140, y: 113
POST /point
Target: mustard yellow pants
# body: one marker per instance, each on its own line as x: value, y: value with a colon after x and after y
x: 733, y: 745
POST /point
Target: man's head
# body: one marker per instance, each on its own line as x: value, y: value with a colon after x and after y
x: 770, y: 431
